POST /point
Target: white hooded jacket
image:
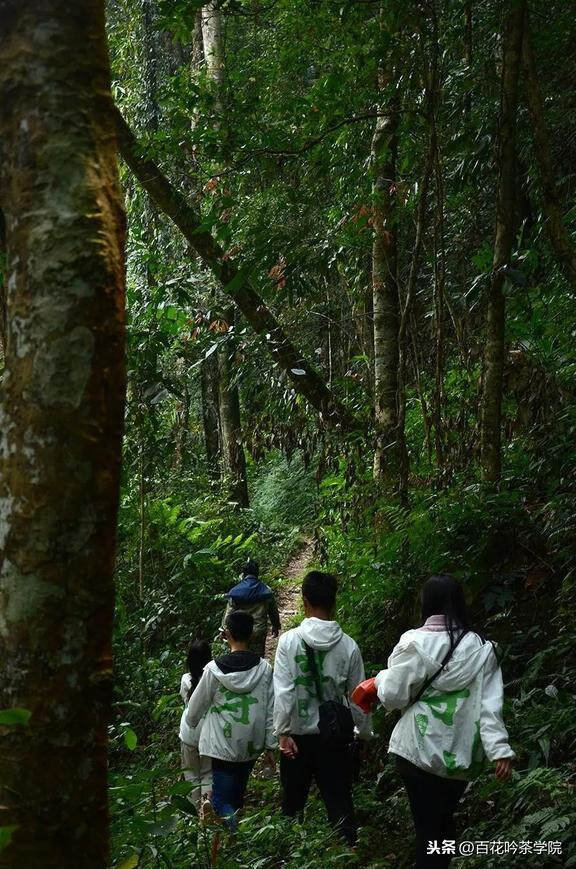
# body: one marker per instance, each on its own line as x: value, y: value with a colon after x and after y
x: 188, y: 735
x: 458, y: 720
x: 339, y: 664
x: 238, y: 712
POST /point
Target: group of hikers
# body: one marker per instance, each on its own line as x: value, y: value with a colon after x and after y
x: 443, y: 677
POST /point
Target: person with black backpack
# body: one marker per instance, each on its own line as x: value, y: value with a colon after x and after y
x: 317, y: 666
x: 446, y: 680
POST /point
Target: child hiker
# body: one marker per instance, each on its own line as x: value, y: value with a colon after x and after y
x: 254, y: 597
x: 196, y: 768
x: 236, y: 696
x: 447, y: 682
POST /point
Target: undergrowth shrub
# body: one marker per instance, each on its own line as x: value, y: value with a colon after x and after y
x: 284, y: 494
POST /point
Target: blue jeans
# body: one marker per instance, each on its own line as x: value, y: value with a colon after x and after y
x: 229, y: 780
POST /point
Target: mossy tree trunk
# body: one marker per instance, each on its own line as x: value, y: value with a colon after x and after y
x: 3, y: 288
x: 61, y: 424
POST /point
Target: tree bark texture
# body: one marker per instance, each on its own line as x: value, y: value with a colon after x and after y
x: 558, y: 234
x: 386, y: 304
x: 235, y: 282
x: 494, y: 353
x: 213, y: 45
x: 61, y: 429
x: 3, y: 288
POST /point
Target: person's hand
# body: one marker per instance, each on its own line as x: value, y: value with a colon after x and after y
x: 270, y: 759
x: 503, y: 768
x: 288, y: 747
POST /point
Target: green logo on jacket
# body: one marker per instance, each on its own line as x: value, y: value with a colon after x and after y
x: 476, y: 761
x: 307, y: 679
x: 238, y: 705
x: 444, y: 706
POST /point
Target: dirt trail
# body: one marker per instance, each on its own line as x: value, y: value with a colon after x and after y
x: 289, y: 594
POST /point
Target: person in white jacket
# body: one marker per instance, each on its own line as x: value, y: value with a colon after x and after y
x: 305, y: 755
x: 197, y: 769
x: 235, y: 697
x: 446, y: 681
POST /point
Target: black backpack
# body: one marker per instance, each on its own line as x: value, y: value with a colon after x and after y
x: 335, y: 721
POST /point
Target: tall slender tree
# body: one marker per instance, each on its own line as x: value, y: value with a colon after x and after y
x: 558, y: 234
x: 229, y: 395
x: 62, y: 416
x: 495, y: 348
x: 386, y: 305
x: 230, y: 421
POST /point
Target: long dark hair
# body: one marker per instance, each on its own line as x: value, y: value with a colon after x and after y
x: 442, y: 595
x: 199, y: 654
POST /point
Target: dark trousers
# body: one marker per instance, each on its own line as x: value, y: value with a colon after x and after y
x: 433, y: 801
x: 229, y: 781
x: 331, y: 769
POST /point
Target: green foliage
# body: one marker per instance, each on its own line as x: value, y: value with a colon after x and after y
x: 12, y: 717
x: 6, y: 836
x: 284, y: 494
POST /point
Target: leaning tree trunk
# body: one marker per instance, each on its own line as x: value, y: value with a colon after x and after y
x: 558, y: 234
x: 386, y: 304
x: 62, y: 413
x: 235, y: 283
x: 494, y: 353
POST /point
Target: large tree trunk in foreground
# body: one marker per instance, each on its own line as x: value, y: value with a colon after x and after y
x: 3, y: 288
x: 505, y: 224
x: 62, y: 414
x: 235, y: 282
x: 558, y: 234
x: 385, y: 294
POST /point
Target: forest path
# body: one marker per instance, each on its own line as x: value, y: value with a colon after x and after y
x: 289, y: 594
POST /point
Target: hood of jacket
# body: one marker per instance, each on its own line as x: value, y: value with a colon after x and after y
x: 239, y: 681
x: 233, y: 662
x: 467, y: 660
x: 320, y: 634
x: 250, y: 590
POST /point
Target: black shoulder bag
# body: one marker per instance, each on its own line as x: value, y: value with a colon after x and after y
x: 335, y: 721
x: 432, y: 678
